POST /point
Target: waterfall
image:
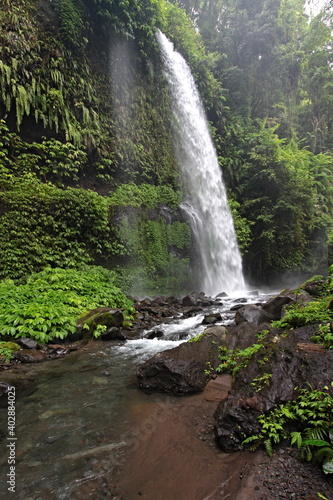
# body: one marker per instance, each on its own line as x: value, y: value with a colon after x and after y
x: 205, y: 196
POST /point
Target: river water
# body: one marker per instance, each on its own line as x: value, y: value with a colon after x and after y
x: 75, y: 416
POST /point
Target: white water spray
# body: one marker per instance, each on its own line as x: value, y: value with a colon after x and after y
x: 205, y: 195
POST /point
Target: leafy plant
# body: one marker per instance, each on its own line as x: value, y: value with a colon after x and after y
x: 260, y: 382
x: 323, y: 336
x: 48, y: 303
x: 311, y: 412
x: 299, y: 314
x: 235, y: 360
x: 7, y: 348
x: 324, y: 455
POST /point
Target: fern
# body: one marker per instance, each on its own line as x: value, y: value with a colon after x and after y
x: 268, y: 447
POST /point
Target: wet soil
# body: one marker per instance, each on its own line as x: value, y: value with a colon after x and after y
x: 173, y: 456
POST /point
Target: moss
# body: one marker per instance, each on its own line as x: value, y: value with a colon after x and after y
x: 197, y: 338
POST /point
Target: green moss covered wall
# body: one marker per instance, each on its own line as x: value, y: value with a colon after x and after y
x: 87, y: 169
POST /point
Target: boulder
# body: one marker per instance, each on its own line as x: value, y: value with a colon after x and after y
x: 113, y: 333
x: 155, y: 334
x: 275, y: 305
x: 218, y: 388
x: 314, y: 286
x: 27, y: 343
x: 29, y: 356
x: 210, y: 319
x: 181, y: 370
x: 252, y: 314
x: 189, y: 300
x: 284, y: 366
x: 87, y: 324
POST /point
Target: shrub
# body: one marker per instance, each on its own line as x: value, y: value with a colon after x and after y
x: 48, y: 303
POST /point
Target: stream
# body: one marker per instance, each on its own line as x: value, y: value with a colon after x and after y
x: 76, y: 416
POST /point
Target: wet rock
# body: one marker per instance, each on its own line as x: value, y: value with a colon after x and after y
x: 220, y: 332
x: 172, y: 300
x: 236, y: 307
x: 313, y: 287
x: 86, y: 325
x: 275, y: 306
x: 28, y: 343
x: 29, y: 356
x: 252, y: 314
x: 189, y: 300
x: 181, y: 370
x: 155, y: 334
x: 210, y: 319
x: 192, y: 312
x: 113, y: 333
x: 55, y: 350
x: 292, y: 363
x: 222, y: 294
x: 218, y: 388
x: 4, y: 388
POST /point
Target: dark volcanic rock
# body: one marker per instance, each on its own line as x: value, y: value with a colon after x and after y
x: 181, y: 370
x: 107, y: 316
x: 155, y: 334
x: 275, y: 305
x: 27, y: 343
x: 189, y: 300
x: 113, y: 333
x: 29, y: 356
x: 292, y: 363
x: 313, y: 287
x: 210, y: 319
x: 252, y: 314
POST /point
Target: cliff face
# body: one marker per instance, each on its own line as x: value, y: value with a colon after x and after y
x: 84, y: 111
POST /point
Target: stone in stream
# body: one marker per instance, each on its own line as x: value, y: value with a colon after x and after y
x: 252, y: 314
x: 29, y: 356
x: 181, y: 370
x: 210, y: 319
x: 87, y: 324
x: 275, y: 306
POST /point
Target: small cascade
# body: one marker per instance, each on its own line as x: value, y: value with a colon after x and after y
x: 205, y: 196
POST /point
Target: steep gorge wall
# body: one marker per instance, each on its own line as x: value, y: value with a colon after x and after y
x: 81, y: 117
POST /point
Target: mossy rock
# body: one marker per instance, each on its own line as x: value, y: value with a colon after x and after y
x: 87, y: 324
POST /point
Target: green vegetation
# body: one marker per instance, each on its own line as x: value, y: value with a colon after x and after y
x: 85, y: 106
x: 46, y: 305
x: 7, y: 348
x: 235, y: 360
x: 138, y: 195
x: 197, y: 338
x: 311, y: 412
x: 299, y: 315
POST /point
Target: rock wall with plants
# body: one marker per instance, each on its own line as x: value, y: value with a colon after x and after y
x: 84, y: 110
x: 87, y: 169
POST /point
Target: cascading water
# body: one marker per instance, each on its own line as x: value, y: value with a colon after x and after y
x: 205, y: 195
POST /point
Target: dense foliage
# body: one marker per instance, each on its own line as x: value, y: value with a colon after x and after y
x: 46, y: 305
x: 84, y: 104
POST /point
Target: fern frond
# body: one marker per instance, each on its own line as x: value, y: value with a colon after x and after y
x: 268, y: 447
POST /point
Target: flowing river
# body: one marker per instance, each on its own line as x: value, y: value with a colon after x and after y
x: 76, y: 416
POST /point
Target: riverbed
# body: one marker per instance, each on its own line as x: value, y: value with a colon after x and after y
x: 78, y: 418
